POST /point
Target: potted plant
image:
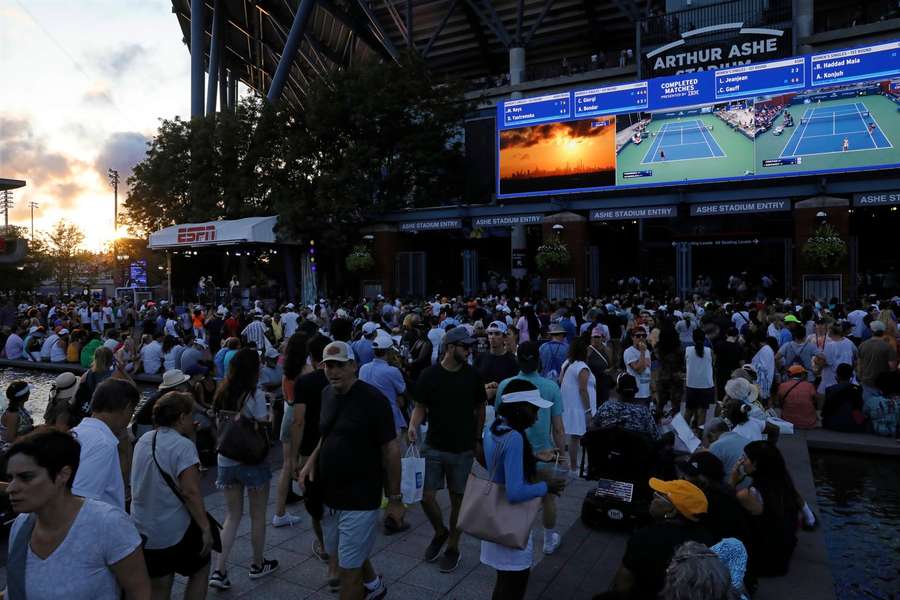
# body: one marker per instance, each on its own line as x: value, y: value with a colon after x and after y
x: 359, y: 259
x: 552, y: 255
x: 825, y: 249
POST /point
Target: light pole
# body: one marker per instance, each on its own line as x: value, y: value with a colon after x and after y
x: 114, y: 180
x: 7, y: 203
x: 33, y: 205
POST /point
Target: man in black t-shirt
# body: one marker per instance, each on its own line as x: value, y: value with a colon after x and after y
x: 497, y: 364
x: 357, y: 458
x: 452, y: 395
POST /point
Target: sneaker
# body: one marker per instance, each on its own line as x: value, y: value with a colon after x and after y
x: 449, y: 561
x: 219, y: 580
x: 319, y: 551
x: 379, y: 592
x: 268, y: 566
x: 285, y: 520
x: 434, y: 548
x: 551, y: 542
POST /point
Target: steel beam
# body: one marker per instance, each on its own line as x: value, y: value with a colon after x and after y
x: 485, y: 18
x: 440, y: 28
x: 398, y: 22
x: 215, y: 58
x: 548, y: 4
x: 223, y: 87
x: 489, y: 4
x: 480, y: 38
x: 409, y: 24
x: 358, y: 27
x: 291, y: 46
x: 198, y: 50
x: 378, y: 29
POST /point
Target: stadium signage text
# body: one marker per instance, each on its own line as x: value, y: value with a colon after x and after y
x: 876, y: 198
x: 431, y: 225
x: 503, y: 221
x: 732, y: 208
x: 196, y: 233
x: 675, y: 59
x: 643, y: 212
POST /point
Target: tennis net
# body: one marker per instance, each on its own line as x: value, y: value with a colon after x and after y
x: 864, y: 115
x: 684, y: 131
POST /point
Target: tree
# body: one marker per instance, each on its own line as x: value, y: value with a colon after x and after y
x: 64, y: 254
x: 33, y: 270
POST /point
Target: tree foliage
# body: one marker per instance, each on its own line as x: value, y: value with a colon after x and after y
x: 64, y: 255
x: 34, y: 269
x: 369, y: 139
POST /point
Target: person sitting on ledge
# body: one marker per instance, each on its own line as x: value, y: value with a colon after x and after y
x: 843, y: 408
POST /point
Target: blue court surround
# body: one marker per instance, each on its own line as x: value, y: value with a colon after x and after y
x: 825, y: 129
x: 684, y: 140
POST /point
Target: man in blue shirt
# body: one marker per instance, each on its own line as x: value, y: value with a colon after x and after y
x: 386, y: 378
x: 362, y: 348
x: 546, y: 436
x: 554, y: 353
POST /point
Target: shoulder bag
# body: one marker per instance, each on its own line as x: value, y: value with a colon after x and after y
x: 18, y: 559
x: 214, y: 526
x: 243, y: 439
x: 486, y: 514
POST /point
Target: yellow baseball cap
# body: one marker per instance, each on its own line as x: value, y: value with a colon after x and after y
x: 686, y: 497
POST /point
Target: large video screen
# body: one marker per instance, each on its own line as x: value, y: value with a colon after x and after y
x: 832, y: 112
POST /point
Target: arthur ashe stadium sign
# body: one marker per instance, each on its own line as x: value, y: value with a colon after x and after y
x: 689, y: 54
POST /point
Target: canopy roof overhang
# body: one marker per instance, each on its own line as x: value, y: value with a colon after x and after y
x: 252, y: 230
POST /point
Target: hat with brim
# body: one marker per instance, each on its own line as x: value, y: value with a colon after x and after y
x: 792, y: 319
x: 556, y: 329
x: 337, y: 352
x: 460, y: 336
x: 795, y: 370
x: 382, y: 341
x: 65, y: 384
x: 687, y: 498
x: 173, y: 378
x: 529, y: 396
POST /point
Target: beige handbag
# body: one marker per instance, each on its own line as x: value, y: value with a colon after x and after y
x: 486, y: 514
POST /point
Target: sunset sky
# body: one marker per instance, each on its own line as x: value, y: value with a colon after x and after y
x: 553, y: 146
x: 84, y: 84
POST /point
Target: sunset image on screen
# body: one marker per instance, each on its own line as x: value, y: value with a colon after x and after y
x: 558, y: 156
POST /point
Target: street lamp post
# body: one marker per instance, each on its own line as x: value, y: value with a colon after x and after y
x: 33, y: 205
x: 113, y: 175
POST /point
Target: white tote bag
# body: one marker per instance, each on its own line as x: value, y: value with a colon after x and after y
x: 412, y: 479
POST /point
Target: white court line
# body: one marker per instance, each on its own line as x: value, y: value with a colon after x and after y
x: 833, y: 135
x: 886, y: 138
x: 861, y: 118
x: 804, y: 127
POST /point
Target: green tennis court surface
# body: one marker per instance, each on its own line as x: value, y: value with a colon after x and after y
x: 694, y: 147
x: 870, y: 124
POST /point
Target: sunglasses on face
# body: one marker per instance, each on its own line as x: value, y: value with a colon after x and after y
x: 639, y: 335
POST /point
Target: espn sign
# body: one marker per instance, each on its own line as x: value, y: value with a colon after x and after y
x: 196, y: 233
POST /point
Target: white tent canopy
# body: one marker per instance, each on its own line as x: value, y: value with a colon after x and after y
x: 252, y: 230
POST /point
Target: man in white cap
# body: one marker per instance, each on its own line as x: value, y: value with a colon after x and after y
x: 497, y: 363
x: 362, y: 348
x: 289, y: 320
x: 357, y: 458
x: 387, y: 378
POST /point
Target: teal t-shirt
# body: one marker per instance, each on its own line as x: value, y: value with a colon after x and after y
x: 539, y: 435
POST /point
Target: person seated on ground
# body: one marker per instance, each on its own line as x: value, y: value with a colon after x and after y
x: 697, y: 572
x: 623, y: 411
x: 676, y: 509
x: 87, y: 351
x: 773, y: 504
x: 797, y: 399
x: 16, y: 420
x: 724, y: 444
x: 882, y: 407
x: 843, y: 407
x: 742, y: 415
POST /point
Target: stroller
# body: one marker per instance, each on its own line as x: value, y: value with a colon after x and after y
x: 622, y: 463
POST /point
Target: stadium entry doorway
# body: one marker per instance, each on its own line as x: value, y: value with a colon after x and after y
x: 741, y: 268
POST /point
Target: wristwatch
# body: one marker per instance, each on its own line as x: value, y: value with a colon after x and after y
x: 395, y: 497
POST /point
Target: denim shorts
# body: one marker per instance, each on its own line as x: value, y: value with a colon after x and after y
x: 452, y: 467
x: 249, y: 476
x: 349, y: 534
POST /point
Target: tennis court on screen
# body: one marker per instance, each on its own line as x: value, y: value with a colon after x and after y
x: 823, y: 131
x: 684, y: 140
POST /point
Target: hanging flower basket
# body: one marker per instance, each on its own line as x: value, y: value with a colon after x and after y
x: 825, y: 249
x: 552, y: 255
x: 360, y: 259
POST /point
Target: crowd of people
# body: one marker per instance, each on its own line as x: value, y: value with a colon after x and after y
x: 346, y: 386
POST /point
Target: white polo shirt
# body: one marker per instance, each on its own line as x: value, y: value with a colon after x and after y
x: 99, y: 474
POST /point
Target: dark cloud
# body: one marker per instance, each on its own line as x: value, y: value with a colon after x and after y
x: 121, y: 151
x: 526, y: 137
x: 26, y: 156
x: 119, y: 61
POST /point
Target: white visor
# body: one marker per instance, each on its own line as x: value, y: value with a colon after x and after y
x: 530, y: 396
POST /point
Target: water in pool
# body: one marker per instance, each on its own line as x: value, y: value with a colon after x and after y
x: 859, y: 496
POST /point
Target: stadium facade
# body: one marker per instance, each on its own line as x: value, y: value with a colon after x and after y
x: 753, y: 123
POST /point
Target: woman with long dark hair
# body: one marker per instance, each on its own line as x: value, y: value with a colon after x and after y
x: 774, y: 506
x: 295, y: 364
x: 670, y: 369
x: 239, y: 393
x: 509, y: 457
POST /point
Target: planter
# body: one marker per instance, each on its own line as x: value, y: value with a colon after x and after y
x: 824, y: 250
x: 552, y: 257
x: 359, y: 259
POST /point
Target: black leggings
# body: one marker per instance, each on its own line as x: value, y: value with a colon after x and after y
x: 511, y: 585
